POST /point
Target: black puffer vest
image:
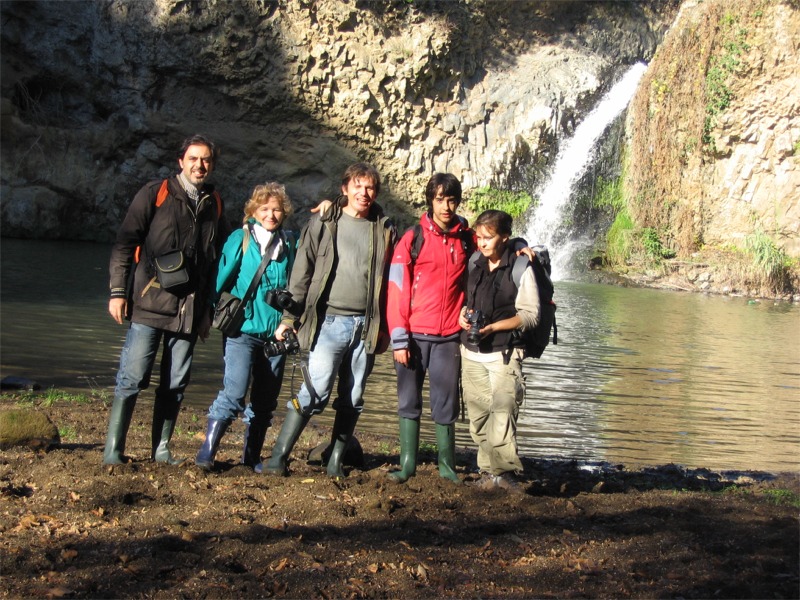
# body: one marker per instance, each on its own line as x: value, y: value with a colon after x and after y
x: 494, y: 294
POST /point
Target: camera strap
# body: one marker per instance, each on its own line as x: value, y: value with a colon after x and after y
x: 307, y: 411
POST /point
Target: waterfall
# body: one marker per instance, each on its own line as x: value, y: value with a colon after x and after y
x: 546, y: 224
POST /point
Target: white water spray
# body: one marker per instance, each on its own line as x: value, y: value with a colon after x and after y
x: 570, y: 165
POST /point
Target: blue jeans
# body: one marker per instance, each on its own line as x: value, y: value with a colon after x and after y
x: 339, y: 350
x: 245, y: 361
x: 139, y: 355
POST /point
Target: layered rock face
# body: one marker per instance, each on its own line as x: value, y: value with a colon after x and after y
x: 716, y: 128
x: 97, y: 96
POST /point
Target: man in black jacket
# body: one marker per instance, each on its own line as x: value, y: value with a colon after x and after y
x: 160, y: 271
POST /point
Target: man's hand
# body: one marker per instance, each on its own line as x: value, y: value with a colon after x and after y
x: 280, y: 331
x: 527, y: 251
x: 204, y: 327
x: 322, y: 207
x: 402, y: 356
x: 118, y: 308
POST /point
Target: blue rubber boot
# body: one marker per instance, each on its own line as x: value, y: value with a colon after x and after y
x: 214, y: 432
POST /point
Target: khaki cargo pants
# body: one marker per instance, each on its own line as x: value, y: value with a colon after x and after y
x: 493, y: 393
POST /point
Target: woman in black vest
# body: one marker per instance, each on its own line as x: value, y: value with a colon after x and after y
x: 491, y: 368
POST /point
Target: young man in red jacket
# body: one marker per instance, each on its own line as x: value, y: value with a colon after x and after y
x: 425, y: 295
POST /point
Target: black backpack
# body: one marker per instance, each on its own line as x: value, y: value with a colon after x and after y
x: 534, y: 341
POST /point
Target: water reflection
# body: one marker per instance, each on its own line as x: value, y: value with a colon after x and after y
x: 644, y: 376
x: 638, y: 377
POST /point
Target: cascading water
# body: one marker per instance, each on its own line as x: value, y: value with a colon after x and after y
x: 546, y: 225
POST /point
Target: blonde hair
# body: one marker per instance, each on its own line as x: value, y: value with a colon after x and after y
x: 261, y: 195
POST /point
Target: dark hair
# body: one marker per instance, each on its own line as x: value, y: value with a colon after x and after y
x: 197, y: 140
x: 358, y: 170
x: 449, y: 183
x: 496, y: 221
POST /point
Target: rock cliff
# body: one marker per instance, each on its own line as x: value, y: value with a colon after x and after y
x: 715, y: 128
x: 95, y: 97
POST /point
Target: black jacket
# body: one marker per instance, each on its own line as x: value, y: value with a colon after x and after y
x: 155, y: 231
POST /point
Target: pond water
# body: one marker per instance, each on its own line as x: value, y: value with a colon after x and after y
x: 639, y: 377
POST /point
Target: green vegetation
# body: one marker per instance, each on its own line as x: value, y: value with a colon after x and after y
x: 796, y: 148
x: 624, y: 240
x: 608, y: 194
x: 386, y: 449
x: 783, y: 498
x: 427, y: 447
x: 50, y: 397
x: 619, y: 239
x: 721, y: 67
x: 770, y: 263
x: 67, y: 433
x: 653, y: 247
x: 488, y: 198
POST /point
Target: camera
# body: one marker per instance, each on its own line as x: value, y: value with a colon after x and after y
x: 281, y: 300
x: 476, y: 322
x: 289, y: 345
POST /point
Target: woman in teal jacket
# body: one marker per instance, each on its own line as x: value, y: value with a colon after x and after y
x: 245, y: 357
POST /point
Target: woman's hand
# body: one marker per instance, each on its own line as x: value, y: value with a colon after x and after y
x: 462, y: 318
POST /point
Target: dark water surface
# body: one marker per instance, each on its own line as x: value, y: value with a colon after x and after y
x: 639, y: 377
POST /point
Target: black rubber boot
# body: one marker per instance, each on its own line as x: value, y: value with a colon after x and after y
x: 214, y: 432
x: 409, y: 446
x: 293, y: 426
x: 165, y: 415
x: 343, y: 426
x: 118, y: 423
x: 253, y: 443
x: 446, y: 442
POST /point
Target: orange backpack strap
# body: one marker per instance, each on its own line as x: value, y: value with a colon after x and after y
x: 218, y: 198
x: 163, y: 192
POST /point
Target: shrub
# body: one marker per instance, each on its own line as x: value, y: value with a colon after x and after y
x: 770, y: 263
x: 653, y: 247
x: 487, y: 198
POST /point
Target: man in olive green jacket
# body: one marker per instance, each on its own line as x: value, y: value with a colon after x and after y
x: 339, y: 278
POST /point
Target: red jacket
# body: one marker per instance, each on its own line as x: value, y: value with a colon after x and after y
x: 426, y: 297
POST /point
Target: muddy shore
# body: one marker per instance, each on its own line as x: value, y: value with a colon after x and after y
x: 73, y: 528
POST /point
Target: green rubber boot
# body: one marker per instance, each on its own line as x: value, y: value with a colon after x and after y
x: 446, y: 441
x: 343, y: 427
x: 165, y: 415
x: 409, y: 446
x: 293, y: 426
x: 118, y: 423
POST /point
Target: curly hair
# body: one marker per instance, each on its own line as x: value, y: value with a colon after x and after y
x: 262, y: 194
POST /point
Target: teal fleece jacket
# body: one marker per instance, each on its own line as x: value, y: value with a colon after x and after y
x: 235, y: 271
